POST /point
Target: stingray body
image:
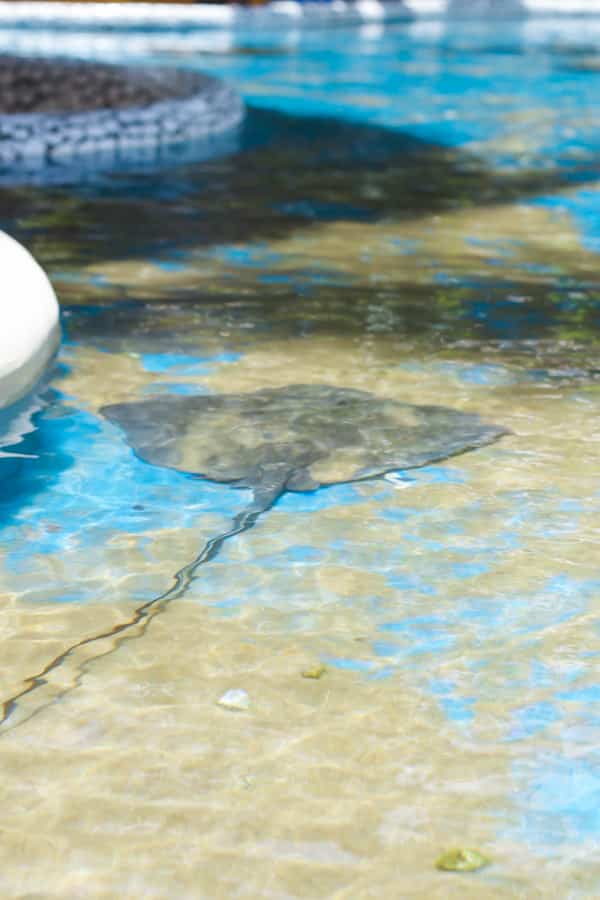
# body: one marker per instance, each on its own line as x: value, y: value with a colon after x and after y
x: 296, y: 438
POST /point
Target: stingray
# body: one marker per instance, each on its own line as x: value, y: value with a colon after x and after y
x: 296, y: 438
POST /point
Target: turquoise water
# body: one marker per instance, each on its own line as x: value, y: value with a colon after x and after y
x: 412, y: 210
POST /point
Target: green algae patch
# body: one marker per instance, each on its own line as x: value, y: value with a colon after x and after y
x: 462, y: 860
x: 315, y: 672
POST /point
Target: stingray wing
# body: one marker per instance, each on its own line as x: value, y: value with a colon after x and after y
x: 150, y: 427
x: 402, y: 436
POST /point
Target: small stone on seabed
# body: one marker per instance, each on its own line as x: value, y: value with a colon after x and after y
x: 236, y: 699
x: 462, y: 860
x: 315, y: 672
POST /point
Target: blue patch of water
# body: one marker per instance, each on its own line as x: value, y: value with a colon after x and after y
x: 399, y: 515
x: 168, y: 387
x: 412, y: 584
x: 582, y: 206
x: 485, y: 375
x: 532, y: 720
x: 469, y: 569
x: 253, y: 255
x: 559, y: 798
x: 588, y: 694
x: 352, y: 665
x: 228, y: 608
x: 187, y: 364
x: 435, y: 475
x: 304, y: 554
x: 457, y: 709
x: 63, y: 495
x: 419, y: 635
x: 324, y: 498
x: 170, y: 265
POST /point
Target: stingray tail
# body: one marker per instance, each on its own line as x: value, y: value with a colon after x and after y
x: 269, y: 490
x: 63, y: 673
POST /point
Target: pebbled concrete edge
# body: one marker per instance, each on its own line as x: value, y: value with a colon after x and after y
x: 48, y: 145
x: 29, y: 321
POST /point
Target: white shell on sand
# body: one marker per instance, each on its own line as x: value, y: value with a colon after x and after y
x: 29, y: 326
x: 235, y: 699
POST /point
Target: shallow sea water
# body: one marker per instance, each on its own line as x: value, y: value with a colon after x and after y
x: 411, y: 211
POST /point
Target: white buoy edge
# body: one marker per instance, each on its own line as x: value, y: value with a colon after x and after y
x: 29, y: 321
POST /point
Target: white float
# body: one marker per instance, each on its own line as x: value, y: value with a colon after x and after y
x: 29, y: 321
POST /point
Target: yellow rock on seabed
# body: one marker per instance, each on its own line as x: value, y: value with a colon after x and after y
x: 462, y: 860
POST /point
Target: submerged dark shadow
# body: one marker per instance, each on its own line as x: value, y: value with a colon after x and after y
x: 481, y: 310
x: 292, y: 172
